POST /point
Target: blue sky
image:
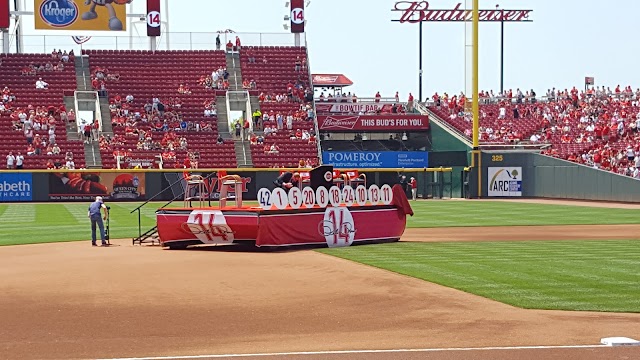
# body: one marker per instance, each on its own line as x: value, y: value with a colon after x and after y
x: 566, y: 41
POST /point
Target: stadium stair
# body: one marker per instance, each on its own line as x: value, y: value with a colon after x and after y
x: 71, y: 126
x: 235, y: 74
x: 243, y: 154
x: 92, y: 155
x: 83, y: 73
x: 223, y: 117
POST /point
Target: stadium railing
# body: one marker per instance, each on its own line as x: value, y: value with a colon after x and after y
x: 168, y: 41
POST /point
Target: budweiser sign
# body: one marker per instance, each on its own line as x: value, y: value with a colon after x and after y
x: 325, y: 79
x: 353, y: 108
x: 417, y: 11
x: 373, y: 123
x: 330, y: 80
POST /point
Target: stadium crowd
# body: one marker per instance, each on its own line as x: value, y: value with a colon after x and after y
x: 599, y: 127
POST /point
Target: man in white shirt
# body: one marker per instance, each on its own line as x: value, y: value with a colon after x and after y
x: 503, y: 113
x: 70, y: 165
x: 19, y: 161
x: 41, y: 84
x: 10, y: 160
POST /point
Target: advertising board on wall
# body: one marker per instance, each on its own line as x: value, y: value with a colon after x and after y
x: 5, y: 19
x: 376, y: 159
x: 373, y: 123
x: 97, y: 15
x: 86, y: 186
x: 16, y: 187
x: 504, y: 181
x: 354, y: 108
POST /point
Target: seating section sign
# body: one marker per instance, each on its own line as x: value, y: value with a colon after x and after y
x: 372, y: 123
x: 504, y: 181
x: 376, y: 159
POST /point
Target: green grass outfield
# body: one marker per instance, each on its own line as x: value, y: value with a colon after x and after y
x: 559, y: 275
x: 567, y: 275
x: 36, y: 223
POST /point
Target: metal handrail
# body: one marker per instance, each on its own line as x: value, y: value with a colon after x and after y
x: 165, y: 205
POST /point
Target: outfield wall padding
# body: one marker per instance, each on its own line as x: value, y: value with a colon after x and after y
x: 141, y: 185
x: 548, y: 177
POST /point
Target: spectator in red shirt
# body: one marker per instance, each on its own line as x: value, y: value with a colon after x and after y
x: 414, y: 188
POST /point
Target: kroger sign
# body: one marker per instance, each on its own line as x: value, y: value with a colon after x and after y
x: 59, y: 13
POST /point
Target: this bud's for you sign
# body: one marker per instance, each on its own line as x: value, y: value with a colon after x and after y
x: 374, y: 123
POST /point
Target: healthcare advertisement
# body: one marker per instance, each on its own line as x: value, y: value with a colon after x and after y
x: 16, y: 187
x: 84, y: 15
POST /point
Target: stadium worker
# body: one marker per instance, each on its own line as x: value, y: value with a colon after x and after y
x: 287, y: 180
x: 94, y: 214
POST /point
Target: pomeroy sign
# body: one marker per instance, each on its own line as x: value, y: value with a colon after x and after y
x: 373, y: 122
x: 417, y: 11
x: 376, y: 159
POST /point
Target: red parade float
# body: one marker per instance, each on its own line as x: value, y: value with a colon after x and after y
x: 318, y: 213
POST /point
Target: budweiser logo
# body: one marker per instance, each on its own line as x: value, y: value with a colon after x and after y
x: 330, y: 122
x: 417, y: 11
x: 327, y: 79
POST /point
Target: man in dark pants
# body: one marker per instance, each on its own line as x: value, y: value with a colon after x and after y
x: 287, y: 180
x: 96, y: 219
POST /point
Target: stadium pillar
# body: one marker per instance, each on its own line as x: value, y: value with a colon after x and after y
x: 152, y: 43
x: 475, y: 101
x: 5, y: 41
x: 420, y: 63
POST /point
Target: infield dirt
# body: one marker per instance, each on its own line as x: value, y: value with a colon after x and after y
x: 69, y: 300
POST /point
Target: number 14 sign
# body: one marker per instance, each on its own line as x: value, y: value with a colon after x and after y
x: 297, y: 16
x: 153, y: 18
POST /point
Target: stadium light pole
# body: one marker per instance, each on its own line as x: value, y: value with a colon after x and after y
x: 476, y: 156
x: 501, y: 49
x: 420, y: 63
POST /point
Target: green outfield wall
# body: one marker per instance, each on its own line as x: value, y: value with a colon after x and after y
x: 523, y: 174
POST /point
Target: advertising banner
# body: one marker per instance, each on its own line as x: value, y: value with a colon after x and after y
x: 505, y: 181
x: 417, y: 11
x: 5, y: 19
x: 16, y: 187
x: 373, y: 123
x: 97, y: 15
x: 376, y: 159
x: 86, y: 186
x: 330, y: 80
x: 153, y: 18
x: 353, y: 108
x: 297, y: 16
